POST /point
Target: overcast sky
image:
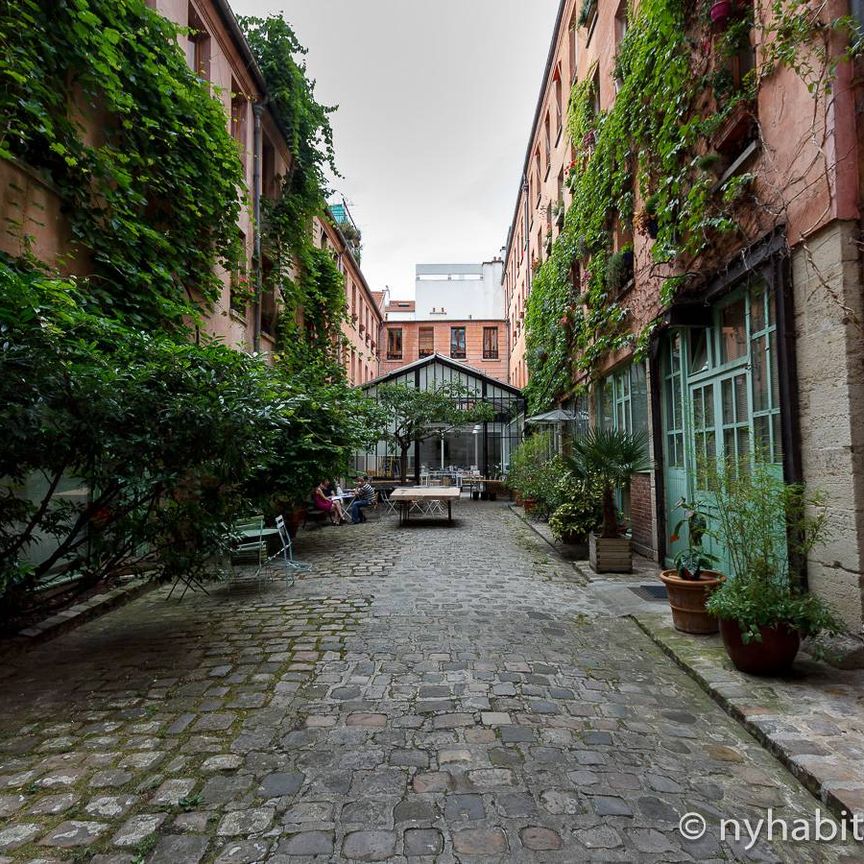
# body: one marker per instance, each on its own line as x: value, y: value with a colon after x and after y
x: 435, y: 105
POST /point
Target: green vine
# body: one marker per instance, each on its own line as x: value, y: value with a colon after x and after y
x: 647, y: 163
x: 304, y: 276
x: 151, y: 194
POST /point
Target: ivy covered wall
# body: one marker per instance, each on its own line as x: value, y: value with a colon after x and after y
x: 658, y: 202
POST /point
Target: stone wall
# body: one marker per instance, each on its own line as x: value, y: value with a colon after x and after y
x: 830, y: 354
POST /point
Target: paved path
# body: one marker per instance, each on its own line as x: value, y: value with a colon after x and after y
x: 425, y: 694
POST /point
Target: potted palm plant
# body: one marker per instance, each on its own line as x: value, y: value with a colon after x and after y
x: 768, y: 528
x: 611, y: 458
x: 691, y: 582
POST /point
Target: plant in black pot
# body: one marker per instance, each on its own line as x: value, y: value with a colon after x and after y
x: 768, y: 528
x: 610, y: 458
x: 692, y: 581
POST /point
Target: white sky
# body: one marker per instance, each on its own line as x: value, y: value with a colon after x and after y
x: 435, y: 104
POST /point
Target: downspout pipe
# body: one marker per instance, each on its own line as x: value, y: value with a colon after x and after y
x: 526, y: 216
x: 257, y: 111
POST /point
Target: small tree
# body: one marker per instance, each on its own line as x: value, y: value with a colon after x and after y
x: 611, y: 458
x: 415, y: 415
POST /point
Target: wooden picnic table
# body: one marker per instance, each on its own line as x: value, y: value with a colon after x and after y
x: 428, y: 500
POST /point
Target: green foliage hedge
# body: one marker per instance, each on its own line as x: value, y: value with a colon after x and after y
x: 173, y: 439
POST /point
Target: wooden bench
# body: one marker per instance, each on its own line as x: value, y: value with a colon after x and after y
x: 315, y: 517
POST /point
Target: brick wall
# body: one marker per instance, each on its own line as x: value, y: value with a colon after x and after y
x: 473, y: 345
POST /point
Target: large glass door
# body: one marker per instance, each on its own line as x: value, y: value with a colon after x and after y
x: 720, y: 401
x: 675, y: 452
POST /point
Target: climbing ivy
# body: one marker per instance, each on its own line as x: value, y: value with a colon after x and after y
x: 648, y: 161
x: 97, y: 98
x: 305, y: 276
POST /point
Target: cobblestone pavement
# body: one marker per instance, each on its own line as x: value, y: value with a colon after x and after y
x: 423, y: 694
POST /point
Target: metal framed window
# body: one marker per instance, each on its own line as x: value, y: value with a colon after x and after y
x: 427, y: 341
x: 394, y: 343
x: 490, y: 343
x: 457, y: 343
x: 622, y: 400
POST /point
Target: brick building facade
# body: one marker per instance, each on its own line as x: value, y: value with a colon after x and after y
x: 458, y: 313
x: 217, y: 50
x: 365, y: 308
x: 762, y: 351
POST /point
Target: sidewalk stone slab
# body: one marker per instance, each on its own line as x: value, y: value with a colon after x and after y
x: 245, y: 822
x: 423, y: 841
x: 480, y: 841
x: 427, y: 694
x: 540, y: 839
x: 74, y: 833
x: 246, y: 852
x: 136, y: 829
x: 179, y: 849
x: 281, y: 784
x: 307, y: 844
x: 369, y: 845
x: 13, y: 836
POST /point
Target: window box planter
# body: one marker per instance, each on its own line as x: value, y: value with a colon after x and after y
x: 736, y: 130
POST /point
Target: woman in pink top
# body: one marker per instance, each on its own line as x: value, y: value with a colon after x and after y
x: 328, y: 504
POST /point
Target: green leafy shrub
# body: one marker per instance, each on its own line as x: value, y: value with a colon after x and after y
x: 536, y: 472
x: 766, y: 589
x: 580, y: 514
x: 609, y: 458
x: 170, y: 440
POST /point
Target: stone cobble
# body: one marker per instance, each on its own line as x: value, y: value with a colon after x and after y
x: 422, y: 694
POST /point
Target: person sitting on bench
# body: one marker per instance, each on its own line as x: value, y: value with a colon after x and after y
x: 364, y: 494
x: 329, y: 504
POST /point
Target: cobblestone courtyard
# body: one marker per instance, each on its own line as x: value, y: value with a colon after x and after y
x: 423, y: 694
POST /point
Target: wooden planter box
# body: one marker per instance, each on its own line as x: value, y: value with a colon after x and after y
x: 610, y: 554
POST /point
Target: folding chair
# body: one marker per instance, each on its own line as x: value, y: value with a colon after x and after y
x: 292, y: 566
x: 435, y: 508
x: 389, y: 506
x: 253, y: 549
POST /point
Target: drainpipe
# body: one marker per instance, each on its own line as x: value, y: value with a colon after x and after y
x: 257, y: 111
x: 530, y: 274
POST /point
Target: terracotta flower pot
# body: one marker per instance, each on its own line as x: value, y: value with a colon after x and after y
x: 774, y: 655
x: 529, y: 504
x: 687, y: 598
x: 721, y: 11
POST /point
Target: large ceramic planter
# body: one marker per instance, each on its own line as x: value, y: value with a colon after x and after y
x: 774, y: 655
x: 687, y: 598
x: 610, y: 554
x: 529, y: 504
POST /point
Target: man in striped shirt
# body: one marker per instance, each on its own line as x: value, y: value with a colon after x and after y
x: 363, y: 496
